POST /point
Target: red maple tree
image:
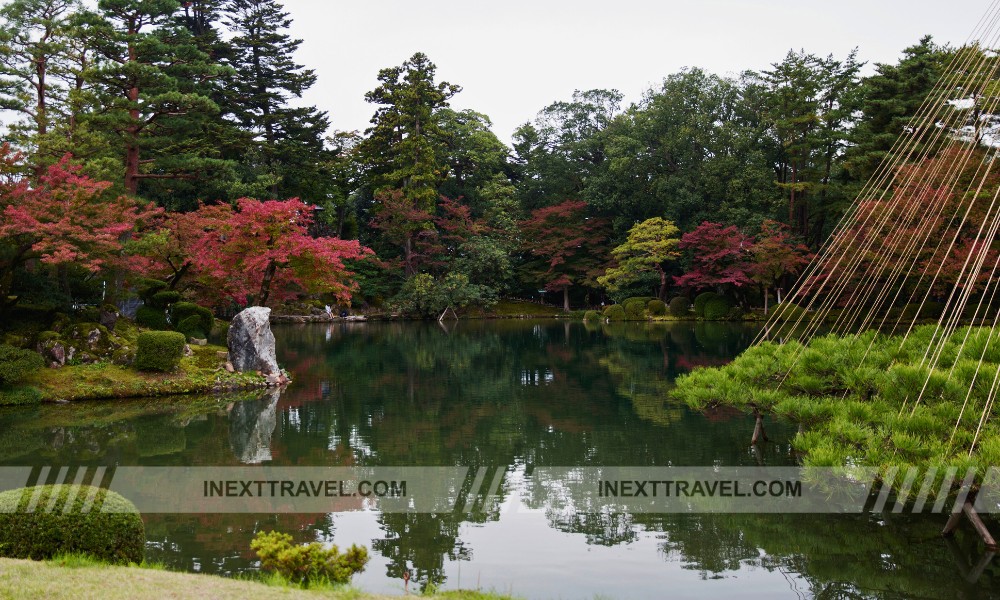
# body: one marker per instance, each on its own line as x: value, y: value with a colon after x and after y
x: 720, y: 258
x: 567, y: 246
x: 64, y: 218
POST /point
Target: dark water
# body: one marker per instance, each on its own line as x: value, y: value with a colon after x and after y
x: 513, y: 395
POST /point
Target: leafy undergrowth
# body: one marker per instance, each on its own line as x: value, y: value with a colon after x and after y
x: 857, y: 398
x: 200, y: 373
x: 76, y: 577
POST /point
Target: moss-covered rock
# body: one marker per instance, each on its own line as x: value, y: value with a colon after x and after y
x: 107, y: 527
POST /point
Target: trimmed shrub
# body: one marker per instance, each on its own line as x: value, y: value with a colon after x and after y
x: 189, y: 326
x: 16, y: 364
x: 656, y: 307
x: 159, y: 350
x: 789, y: 311
x: 701, y: 300
x: 109, y: 530
x: 615, y: 312
x: 635, y: 308
x: 184, y: 310
x: 164, y: 299
x: 591, y: 315
x: 717, y: 308
x: 153, y: 318
x: 307, y: 563
x: 20, y: 395
x: 680, y: 306
x: 149, y: 287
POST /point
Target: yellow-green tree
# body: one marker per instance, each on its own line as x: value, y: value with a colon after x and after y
x: 651, y: 245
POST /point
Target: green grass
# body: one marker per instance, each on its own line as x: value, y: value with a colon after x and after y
x: 202, y: 372
x: 75, y: 577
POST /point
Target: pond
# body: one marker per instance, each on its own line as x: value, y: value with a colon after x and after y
x: 507, y: 396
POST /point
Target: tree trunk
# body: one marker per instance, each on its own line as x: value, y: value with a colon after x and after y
x: 759, y: 435
x: 566, y: 298
x: 265, y: 285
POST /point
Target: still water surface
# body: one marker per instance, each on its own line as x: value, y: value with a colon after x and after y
x: 510, y: 395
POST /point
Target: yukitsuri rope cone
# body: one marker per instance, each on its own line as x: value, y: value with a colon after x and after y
x: 847, y: 353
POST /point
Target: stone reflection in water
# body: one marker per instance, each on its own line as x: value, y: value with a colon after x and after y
x: 505, y: 397
x: 251, y: 425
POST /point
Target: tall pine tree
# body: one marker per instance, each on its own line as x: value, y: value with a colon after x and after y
x: 287, y: 156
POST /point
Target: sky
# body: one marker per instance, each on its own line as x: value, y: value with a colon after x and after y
x: 515, y: 57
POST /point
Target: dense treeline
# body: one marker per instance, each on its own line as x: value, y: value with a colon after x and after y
x: 190, y: 109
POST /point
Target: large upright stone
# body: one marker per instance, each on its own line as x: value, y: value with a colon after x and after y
x: 251, y: 343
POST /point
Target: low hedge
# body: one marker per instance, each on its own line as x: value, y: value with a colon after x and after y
x: 591, y: 315
x: 159, y: 350
x: 680, y: 306
x: 16, y: 363
x: 110, y: 529
x: 701, y: 300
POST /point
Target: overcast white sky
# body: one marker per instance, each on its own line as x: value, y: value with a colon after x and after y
x: 515, y: 57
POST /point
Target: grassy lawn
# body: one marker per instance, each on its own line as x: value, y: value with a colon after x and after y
x: 75, y: 579
x: 202, y: 372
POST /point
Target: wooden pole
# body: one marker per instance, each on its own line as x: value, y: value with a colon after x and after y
x: 984, y: 533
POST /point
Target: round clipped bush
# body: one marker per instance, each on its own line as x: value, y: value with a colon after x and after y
x: 185, y: 310
x: 656, y: 307
x: 153, y: 318
x: 679, y: 306
x: 717, y: 308
x: 191, y: 327
x: 635, y: 308
x: 701, y: 300
x: 159, y: 350
x: 615, y: 312
x: 16, y: 363
x: 65, y: 519
x: 591, y: 315
x: 788, y: 311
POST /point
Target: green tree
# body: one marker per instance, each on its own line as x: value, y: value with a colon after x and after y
x: 557, y: 154
x: 474, y: 157
x: 35, y: 42
x: 287, y: 155
x: 650, y: 246
x: 809, y: 112
x: 147, y: 78
x: 693, y: 149
x: 888, y: 100
x: 405, y: 145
